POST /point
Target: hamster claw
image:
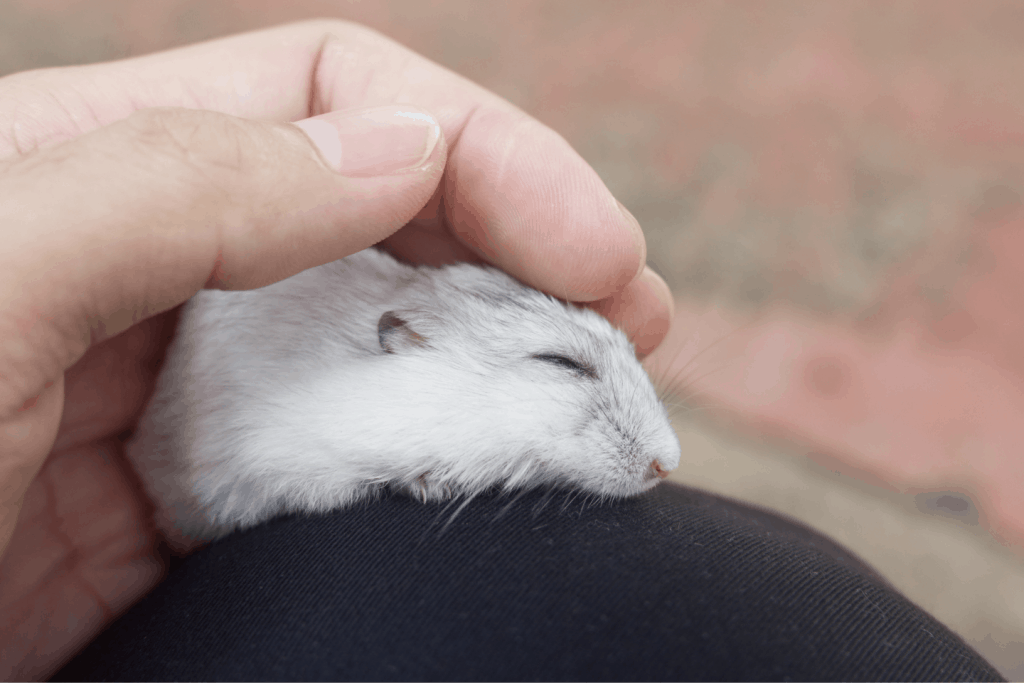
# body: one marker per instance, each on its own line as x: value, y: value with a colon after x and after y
x: 426, y: 489
x: 658, y: 470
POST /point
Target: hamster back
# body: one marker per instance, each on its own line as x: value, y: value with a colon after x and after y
x: 319, y: 390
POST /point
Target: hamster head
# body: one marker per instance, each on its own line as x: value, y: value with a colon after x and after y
x: 494, y: 383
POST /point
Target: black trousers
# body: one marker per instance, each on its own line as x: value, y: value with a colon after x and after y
x: 676, y: 584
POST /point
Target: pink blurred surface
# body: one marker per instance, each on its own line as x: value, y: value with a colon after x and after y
x: 911, y: 399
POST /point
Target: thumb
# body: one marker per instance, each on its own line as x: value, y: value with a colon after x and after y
x: 134, y: 218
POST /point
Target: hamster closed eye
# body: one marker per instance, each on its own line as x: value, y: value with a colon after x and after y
x: 314, y: 392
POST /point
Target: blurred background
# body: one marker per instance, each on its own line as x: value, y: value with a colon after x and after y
x: 833, y: 192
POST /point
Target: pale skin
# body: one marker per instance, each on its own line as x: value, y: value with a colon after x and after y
x: 112, y: 218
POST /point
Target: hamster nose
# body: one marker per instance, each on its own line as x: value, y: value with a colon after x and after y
x: 658, y: 470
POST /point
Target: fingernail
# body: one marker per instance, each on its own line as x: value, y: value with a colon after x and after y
x: 377, y: 141
x: 638, y: 236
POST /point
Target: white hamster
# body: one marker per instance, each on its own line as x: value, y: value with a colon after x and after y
x: 314, y: 392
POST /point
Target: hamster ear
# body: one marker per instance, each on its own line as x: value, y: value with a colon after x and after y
x: 395, y: 335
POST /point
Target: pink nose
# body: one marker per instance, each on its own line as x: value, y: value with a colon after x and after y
x: 660, y: 471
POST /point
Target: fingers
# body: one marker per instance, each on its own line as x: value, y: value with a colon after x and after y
x: 515, y: 192
x: 520, y: 196
x: 134, y: 218
x: 286, y: 73
x: 643, y: 309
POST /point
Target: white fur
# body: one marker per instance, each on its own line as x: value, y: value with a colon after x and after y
x: 282, y: 398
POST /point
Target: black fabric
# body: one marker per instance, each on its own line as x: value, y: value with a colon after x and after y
x: 676, y: 584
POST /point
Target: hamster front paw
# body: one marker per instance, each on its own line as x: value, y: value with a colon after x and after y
x: 425, y: 488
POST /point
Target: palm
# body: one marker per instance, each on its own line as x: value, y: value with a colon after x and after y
x: 83, y: 546
x: 85, y: 543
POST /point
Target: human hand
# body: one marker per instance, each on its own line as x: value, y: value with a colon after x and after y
x: 112, y: 214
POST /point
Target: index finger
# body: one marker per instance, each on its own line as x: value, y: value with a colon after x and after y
x: 514, y: 191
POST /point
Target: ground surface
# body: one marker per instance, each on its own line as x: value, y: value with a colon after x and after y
x: 833, y: 190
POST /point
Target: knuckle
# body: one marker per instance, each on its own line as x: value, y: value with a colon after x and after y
x: 215, y: 146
